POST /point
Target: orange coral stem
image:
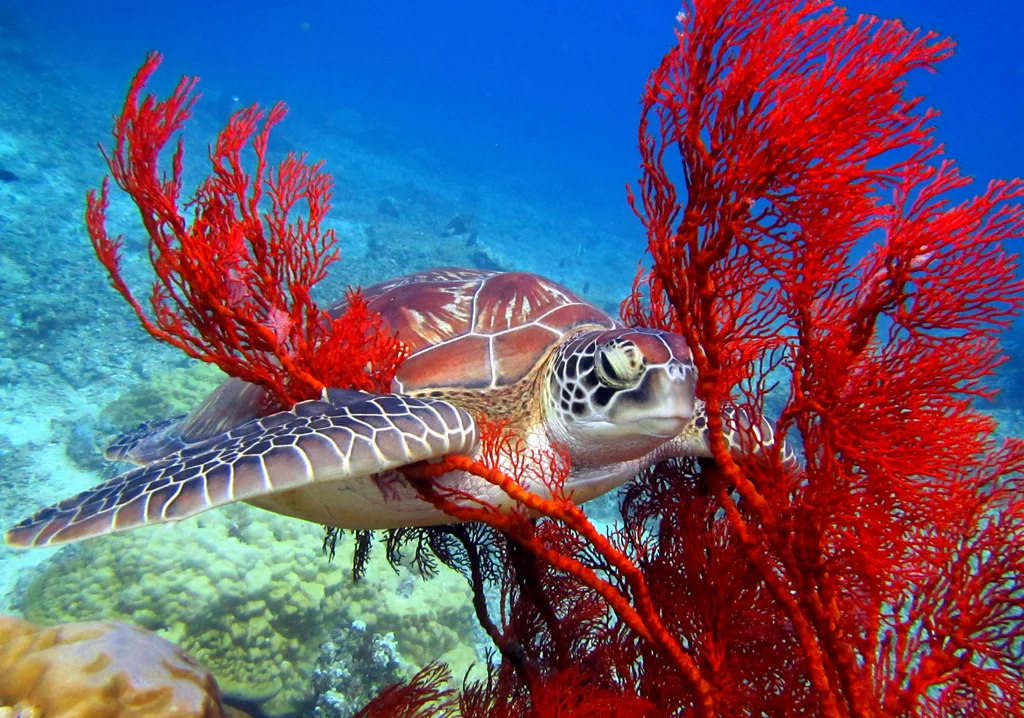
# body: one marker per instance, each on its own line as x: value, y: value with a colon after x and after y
x: 643, y: 618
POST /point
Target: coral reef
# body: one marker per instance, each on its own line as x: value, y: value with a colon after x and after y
x: 388, y: 206
x: 353, y: 666
x: 464, y: 226
x: 19, y: 492
x: 102, y: 668
x: 397, y: 249
x: 251, y: 597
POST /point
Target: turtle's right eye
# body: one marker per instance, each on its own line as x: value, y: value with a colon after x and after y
x: 620, y: 364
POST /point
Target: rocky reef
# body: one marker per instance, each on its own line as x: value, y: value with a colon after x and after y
x: 250, y: 595
x: 100, y: 668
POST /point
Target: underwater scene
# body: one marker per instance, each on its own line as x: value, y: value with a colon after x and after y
x: 532, y: 359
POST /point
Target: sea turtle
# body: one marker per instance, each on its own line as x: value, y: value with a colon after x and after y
x: 511, y: 345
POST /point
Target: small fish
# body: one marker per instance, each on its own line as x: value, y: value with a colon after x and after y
x: 7, y: 176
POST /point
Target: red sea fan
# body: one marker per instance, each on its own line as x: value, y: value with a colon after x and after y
x: 797, y: 149
x: 233, y: 280
x: 806, y: 241
x: 423, y: 696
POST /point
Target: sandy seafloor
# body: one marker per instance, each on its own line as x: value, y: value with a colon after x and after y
x: 69, y: 346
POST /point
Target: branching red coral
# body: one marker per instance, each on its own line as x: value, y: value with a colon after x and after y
x: 424, y: 695
x: 797, y: 149
x: 803, y: 234
x: 501, y: 448
x: 234, y: 278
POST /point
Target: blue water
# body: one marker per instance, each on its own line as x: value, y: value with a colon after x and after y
x: 542, y: 94
x: 521, y: 115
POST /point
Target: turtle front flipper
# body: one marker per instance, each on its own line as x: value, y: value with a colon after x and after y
x: 315, y: 441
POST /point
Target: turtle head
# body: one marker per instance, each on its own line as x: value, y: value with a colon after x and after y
x: 618, y: 394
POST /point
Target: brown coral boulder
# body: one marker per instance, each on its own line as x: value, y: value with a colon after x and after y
x: 101, y: 669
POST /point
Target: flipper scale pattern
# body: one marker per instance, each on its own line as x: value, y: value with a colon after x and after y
x: 315, y: 441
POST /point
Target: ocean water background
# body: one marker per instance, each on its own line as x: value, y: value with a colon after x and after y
x: 496, y: 135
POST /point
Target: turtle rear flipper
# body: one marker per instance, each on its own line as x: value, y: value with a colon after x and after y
x: 155, y: 439
x: 315, y: 441
x: 149, y: 441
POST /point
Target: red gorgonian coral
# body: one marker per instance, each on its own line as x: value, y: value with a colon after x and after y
x: 233, y: 279
x: 806, y: 239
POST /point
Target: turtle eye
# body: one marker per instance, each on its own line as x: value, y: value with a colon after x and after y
x: 619, y: 364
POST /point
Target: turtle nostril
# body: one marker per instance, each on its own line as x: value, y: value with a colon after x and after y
x: 679, y: 371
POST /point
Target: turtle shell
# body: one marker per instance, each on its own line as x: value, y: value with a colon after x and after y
x: 476, y: 329
x: 465, y: 329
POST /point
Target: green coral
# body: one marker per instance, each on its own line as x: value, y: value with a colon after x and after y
x: 178, y: 391
x: 249, y: 594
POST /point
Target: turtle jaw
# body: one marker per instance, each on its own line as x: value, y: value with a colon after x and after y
x: 665, y: 396
x: 661, y: 427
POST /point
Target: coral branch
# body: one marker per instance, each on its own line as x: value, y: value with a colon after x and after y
x: 233, y: 283
x: 424, y: 695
